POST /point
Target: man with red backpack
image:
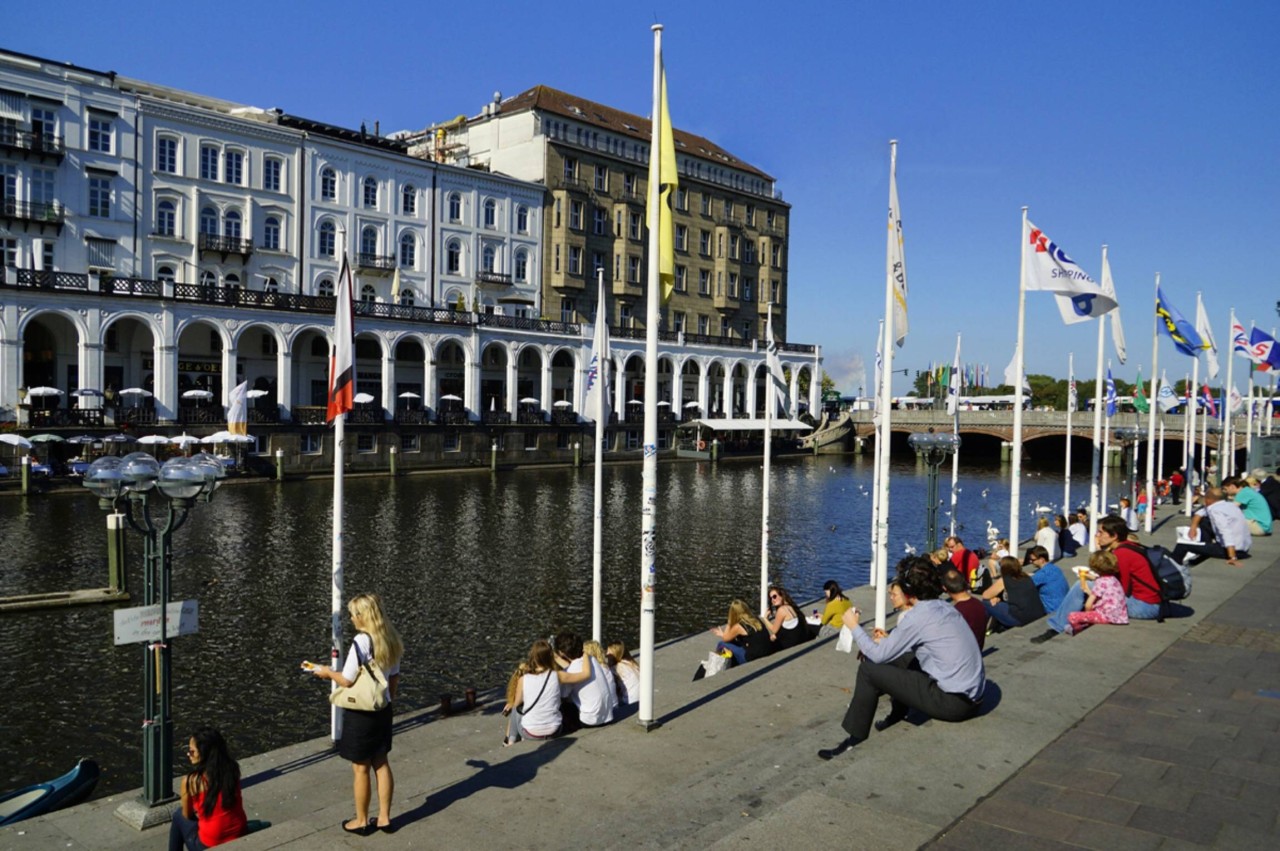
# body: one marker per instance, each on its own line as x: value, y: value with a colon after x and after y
x: 1141, y: 589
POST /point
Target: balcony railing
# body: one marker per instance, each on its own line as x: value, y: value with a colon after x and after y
x: 377, y: 262
x: 524, y: 323
x: 33, y: 211
x: 708, y: 340
x: 52, y: 280
x: 28, y: 141
x: 132, y: 286
x: 493, y: 278
x: 225, y: 244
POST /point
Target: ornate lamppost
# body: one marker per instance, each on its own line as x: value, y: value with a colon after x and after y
x: 934, y: 448
x: 131, y: 485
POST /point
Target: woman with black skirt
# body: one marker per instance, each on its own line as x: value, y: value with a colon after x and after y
x: 366, y: 736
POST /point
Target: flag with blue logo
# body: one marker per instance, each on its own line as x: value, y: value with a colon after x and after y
x: 1265, y: 352
x: 597, y: 396
x: 1165, y: 397
x: 1111, y: 394
x: 1049, y: 269
x: 1182, y: 332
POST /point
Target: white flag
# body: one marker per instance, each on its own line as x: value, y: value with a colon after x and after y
x: 597, y: 402
x: 1049, y: 269
x: 875, y: 395
x: 1234, y: 399
x: 953, y: 387
x: 1164, y: 396
x: 895, y: 262
x: 1117, y: 329
x: 781, y: 393
x: 1206, y: 335
x: 237, y: 412
x: 1011, y: 375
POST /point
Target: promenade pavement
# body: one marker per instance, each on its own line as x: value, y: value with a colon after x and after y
x: 1152, y: 735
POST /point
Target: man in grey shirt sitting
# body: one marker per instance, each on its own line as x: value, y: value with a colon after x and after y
x: 929, y: 662
x: 1220, y: 529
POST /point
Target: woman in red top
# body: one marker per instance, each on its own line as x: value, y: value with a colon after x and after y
x: 212, y: 812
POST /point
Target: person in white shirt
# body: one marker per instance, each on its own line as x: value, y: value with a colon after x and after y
x: 1080, y: 529
x: 1047, y: 537
x: 593, y: 699
x: 1220, y: 528
x: 1127, y: 513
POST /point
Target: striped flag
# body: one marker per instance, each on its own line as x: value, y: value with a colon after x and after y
x: 342, y: 372
x: 1209, y: 403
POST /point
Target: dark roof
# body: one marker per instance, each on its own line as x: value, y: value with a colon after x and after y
x: 359, y: 137
x: 551, y: 100
x: 109, y: 75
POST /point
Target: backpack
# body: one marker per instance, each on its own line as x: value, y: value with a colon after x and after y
x: 1173, y: 580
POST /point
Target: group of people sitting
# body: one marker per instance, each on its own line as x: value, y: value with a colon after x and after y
x: 590, y: 683
x: 745, y: 637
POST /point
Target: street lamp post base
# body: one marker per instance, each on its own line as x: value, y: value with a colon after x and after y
x: 648, y: 726
x: 140, y: 815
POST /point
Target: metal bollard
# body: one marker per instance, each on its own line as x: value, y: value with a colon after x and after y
x: 117, y: 578
x: 279, y: 465
x: 394, y: 455
x: 493, y: 456
x: 577, y: 454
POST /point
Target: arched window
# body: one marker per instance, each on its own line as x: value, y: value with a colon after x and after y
x: 522, y: 219
x: 327, y: 242
x: 371, y: 192
x: 367, y: 293
x: 490, y: 213
x: 271, y: 286
x: 453, y: 257
x: 231, y: 281
x: 325, y: 287
x: 409, y: 200
x: 455, y: 207
x: 487, y: 258
x: 407, y: 298
x: 328, y: 184
x: 522, y: 266
x: 209, y: 221
x: 208, y: 279
x: 231, y: 225
x: 271, y: 234
x: 408, y: 251
x: 369, y: 241
x: 165, y: 274
x: 166, y: 219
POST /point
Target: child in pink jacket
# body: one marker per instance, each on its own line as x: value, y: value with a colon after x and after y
x: 1104, y: 599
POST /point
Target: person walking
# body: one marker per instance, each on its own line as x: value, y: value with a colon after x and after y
x: 366, y: 736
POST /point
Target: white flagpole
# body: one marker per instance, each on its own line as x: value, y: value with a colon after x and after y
x: 1066, y: 467
x: 1106, y: 447
x: 1192, y: 397
x: 886, y: 377
x: 1015, y: 474
x: 1161, y: 450
x: 1248, y: 429
x: 1204, y: 447
x: 769, y: 402
x: 1228, y: 442
x: 649, y: 475
x: 1186, y: 435
x: 1098, y: 445
x: 1153, y: 402
x: 955, y: 430
x: 339, y: 492
x: 597, y: 533
x: 877, y: 421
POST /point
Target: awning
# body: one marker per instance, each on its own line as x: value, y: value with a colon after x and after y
x: 744, y: 424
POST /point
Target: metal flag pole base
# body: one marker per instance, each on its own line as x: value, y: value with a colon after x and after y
x: 647, y: 726
x: 140, y: 815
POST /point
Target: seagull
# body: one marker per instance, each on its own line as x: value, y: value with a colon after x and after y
x: 910, y: 550
x: 985, y: 491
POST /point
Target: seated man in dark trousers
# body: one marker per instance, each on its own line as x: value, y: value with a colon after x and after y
x: 929, y: 662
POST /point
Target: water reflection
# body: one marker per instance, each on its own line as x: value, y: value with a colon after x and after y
x: 471, y: 566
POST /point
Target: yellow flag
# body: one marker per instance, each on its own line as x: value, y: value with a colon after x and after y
x: 662, y: 172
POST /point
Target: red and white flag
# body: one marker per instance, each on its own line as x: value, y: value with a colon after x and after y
x: 342, y: 374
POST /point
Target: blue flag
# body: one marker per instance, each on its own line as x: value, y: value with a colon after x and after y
x: 1182, y: 332
x: 1111, y: 394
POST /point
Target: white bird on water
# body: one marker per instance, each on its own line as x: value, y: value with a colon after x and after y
x: 910, y: 550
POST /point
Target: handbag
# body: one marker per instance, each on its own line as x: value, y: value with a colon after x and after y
x: 369, y: 692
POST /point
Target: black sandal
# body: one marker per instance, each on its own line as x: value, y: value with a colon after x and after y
x: 366, y: 829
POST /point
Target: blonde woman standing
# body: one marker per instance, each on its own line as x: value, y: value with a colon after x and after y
x: 366, y: 736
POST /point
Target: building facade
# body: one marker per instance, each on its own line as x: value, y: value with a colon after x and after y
x: 161, y: 247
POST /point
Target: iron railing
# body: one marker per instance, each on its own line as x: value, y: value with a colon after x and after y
x: 33, y: 211
x: 225, y: 244
x: 380, y: 262
x: 29, y: 140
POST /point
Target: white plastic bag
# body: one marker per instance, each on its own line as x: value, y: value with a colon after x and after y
x: 844, y: 643
x: 715, y: 664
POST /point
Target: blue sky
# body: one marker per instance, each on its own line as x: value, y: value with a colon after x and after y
x: 1143, y: 125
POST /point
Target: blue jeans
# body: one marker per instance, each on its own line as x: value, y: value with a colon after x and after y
x: 739, y: 653
x: 184, y: 833
x: 1074, y: 602
x: 1000, y: 611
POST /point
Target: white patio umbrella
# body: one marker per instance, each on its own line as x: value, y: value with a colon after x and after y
x: 136, y: 391
x: 44, y: 391
x: 664, y: 403
x: 691, y: 404
x: 529, y: 400
x: 255, y: 394
x: 15, y: 440
x: 86, y: 391
x: 47, y: 438
x: 409, y: 394
x: 197, y: 394
x: 563, y: 403
x: 362, y: 398
x: 184, y: 440
x: 218, y: 437
x: 449, y: 397
x: 153, y: 439
x: 118, y: 438
x: 636, y: 402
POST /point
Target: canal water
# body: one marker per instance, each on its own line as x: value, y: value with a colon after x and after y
x: 472, y: 566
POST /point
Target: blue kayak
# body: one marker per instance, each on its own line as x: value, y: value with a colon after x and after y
x: 40, y: 798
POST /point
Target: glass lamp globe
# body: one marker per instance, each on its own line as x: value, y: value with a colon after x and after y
x: 182, y: 478
x: 104, y: 478
x: 140, y: 471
